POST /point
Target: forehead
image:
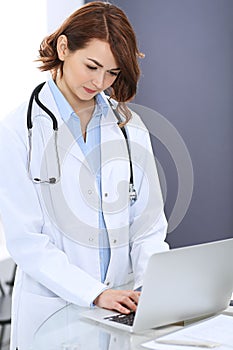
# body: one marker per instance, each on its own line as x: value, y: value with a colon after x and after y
x: 99, y: 51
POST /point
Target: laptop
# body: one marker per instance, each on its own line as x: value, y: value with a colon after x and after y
x: 179, y: 284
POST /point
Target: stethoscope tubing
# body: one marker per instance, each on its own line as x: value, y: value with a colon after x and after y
x: 53, y: 180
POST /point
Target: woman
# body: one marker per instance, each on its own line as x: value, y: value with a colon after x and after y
x: 71, y: 225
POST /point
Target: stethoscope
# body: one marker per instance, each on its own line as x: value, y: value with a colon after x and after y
x: 54, y: 180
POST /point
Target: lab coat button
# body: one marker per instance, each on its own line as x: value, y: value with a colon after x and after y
x: 106, y: 194
x: 114, y: 241
x: 91, y: 239
x: 90, y: 191
x: 107, y: 283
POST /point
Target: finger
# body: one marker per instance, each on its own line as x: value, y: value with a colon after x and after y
x: 127, y: 302
x: 121, y: 308
x: 137, y: 296
x: 134, y: 296
x: 131, y: 305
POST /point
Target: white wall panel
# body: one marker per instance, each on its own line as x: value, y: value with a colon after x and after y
x: 58, y: 11
x: 22, y: 26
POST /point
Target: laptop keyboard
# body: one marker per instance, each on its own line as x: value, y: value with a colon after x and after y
x: 121, y: 318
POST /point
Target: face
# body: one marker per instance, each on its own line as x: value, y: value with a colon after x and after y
x: 86, y: 72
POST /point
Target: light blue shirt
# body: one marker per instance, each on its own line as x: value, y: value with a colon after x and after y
x: 91, y: 149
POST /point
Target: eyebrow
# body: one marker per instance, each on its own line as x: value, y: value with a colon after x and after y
x: 100, y: 65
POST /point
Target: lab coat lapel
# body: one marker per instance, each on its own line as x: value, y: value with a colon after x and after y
x: 113, y: 148
x: 115, y: 173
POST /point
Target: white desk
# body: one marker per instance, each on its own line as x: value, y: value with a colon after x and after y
x: 66, y: 330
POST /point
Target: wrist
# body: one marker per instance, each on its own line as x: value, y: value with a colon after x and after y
x: 96, y: 300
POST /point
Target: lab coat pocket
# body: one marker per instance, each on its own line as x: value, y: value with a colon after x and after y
x: 34, y: 310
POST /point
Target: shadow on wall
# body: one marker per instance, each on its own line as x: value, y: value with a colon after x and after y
x: 187, y: 78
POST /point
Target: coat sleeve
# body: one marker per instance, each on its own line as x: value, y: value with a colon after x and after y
x: 148, y: 224
x: 23, y: 221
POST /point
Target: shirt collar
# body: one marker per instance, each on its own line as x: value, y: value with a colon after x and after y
x: 65, y: 109
x: 101, y: 105
x: 63, y: 105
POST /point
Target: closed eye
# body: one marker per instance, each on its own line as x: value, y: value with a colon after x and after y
x: 115, y: 74
x: 112, y: 72
x: 92, y: 67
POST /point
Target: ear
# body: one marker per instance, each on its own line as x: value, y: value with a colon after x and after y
x: 62, y: 47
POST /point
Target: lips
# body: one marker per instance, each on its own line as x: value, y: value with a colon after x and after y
x: 89, y: 91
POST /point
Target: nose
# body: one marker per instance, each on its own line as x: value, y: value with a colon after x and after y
x: 98, y: 81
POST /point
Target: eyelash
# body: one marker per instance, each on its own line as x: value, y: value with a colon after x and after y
x: 115, y: 74
x: 91, y: 67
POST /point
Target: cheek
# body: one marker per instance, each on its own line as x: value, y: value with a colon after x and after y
x: 78, y: 75
x: 109, y: 81
x: 74, y: 71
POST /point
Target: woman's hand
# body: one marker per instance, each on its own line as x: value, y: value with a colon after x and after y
x: 122, y: 301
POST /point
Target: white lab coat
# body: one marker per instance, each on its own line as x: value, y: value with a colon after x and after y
x: 52, y: 230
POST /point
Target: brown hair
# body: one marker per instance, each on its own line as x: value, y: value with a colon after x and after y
x: 103, y: 21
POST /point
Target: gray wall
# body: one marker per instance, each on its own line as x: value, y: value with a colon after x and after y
x: 188, y: 78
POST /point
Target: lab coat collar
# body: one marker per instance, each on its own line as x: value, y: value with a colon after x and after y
x: 47, y: 98
x: 66, y: 141
x: 65, y: 108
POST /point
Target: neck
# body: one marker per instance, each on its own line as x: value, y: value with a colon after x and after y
x: 80, y: 107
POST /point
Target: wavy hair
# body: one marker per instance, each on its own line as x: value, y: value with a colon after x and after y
x: 103, y: 21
